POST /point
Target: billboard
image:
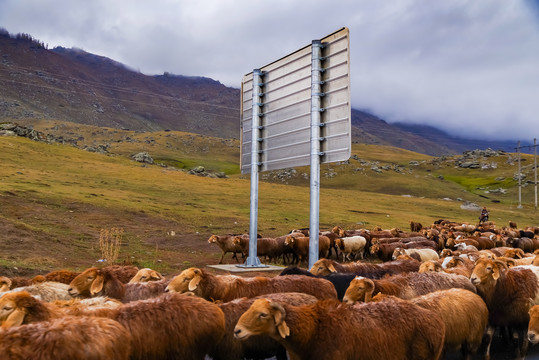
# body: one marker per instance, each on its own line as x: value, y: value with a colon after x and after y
x: 284, y: 133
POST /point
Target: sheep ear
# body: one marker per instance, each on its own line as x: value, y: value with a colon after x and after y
x: 369, y: 290
x: 194, y: 282
x: 156, y: 275
x: 331, y: 268
x: 97, y: 284
x: 16, y: 318
x: 496, y: 270
x: 278, y: 316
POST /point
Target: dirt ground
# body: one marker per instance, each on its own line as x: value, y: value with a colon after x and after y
x: 39, y: 236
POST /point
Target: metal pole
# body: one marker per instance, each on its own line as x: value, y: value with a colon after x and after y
x: 535, y: 167
x: 316, y: 86
x: 519, y: 178
x: 252, y: 260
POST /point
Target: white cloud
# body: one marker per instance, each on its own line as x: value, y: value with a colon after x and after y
x: 469, y: 67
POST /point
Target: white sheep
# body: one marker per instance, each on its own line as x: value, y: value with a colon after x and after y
x: 351, y: 245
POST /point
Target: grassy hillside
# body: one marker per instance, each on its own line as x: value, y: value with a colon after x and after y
x: 56, y: 198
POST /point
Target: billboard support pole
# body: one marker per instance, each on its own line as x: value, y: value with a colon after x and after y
x: 252, y: 260
x: 316, y: 94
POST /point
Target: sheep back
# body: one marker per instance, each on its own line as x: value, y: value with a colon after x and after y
x: 74, y: 338
x: 172, y: 326
x: 256, y: 347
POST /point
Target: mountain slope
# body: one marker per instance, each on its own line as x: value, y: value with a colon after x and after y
x: 73, y: 85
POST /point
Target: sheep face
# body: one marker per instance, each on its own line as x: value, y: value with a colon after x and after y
x: 8, y: 307
x: 86, y: 283
x: 430, y: 266
x: 263, y: 317
x: 213, y: 239
x: 360, y: 289
x: 188, y: 280
x: 145, y: 275
x: 397, y: 252
x: 533, y: 325
x: 515, y: 253
x: 289, y: 240
x: 5, y: 283
x: 339, y: 231
x: 486, y: 272
x: 13, y: 308
x: 322, y: 267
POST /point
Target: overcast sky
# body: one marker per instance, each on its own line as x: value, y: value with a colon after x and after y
x: 470, y: 67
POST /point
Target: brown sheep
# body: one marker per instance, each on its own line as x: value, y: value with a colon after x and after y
x: 285, y: 250
x: 145, y: 275
x: 310, y: 331
x: 404, y: 286
x: 300, y: 247
x: 74, y: 338
x: 227, y: 245
x: 464, y: 313
x: 332, y: 245
x: 63, y: 276
x: 228, y: 287
x: 415, y: 226
x: 509, y: 295
x: 102, y: 282
x: 325, y: 267
x: 19, y: 281
x: 256, y: 347
x: 172, y: 326
x: 19, y: 307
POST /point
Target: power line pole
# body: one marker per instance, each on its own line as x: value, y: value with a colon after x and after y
x: 535, y: 169
x: 519, y: 178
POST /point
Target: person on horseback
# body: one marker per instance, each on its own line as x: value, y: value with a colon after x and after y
x: 484, y: 215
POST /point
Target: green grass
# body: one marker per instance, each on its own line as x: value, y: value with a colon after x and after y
x: 63, y: 196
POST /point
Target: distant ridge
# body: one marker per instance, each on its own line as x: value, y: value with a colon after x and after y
x: 77, y: 86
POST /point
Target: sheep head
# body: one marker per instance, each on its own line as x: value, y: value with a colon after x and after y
x: 289, y: 240
x: 360, y: 289
x: 339, y: 231
x: 487, y: 272
x: 263, y: 317
x: 322, y: 267
x: 515, y: 253
x: 145, y: 275
x: 446, y: 253
x: 5, y: 283
x: 398, y: 251
x: 15, y: 306
x: 213, y: 239
x: 188, y: 280
x: 533, y: 325
x: 430, y: 266
x: 87, y: 283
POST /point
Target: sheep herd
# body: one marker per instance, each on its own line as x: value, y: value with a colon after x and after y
x: 420, y: 294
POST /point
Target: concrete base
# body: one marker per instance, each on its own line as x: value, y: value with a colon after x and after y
x: 236, y: 268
